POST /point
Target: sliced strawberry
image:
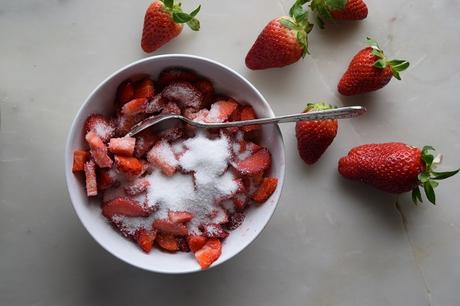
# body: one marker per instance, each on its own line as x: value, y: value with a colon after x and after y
x: 125, y: 207
x: 196, y: 242
x: 248, y: 113
x: 171, y: 134
x: 175, y: 74
x: 240, y: 201
x: 145, y: 239
x: 80, y: 157
x: 130, y: 166
x: 122, y: 146
x: 184, y: 94
x: 183, y: 245
x: 199, y: 116
x: 144, y: 142
x: 162, y: 156
x: 235, y: 220
x: 99, y: 124
x: 167, y: 242
x: 98, y: 150
x: 156, y: 104
x: 206, y: 88
x: 221, y: 111
x: 169, y: 227
x: 213, y: 231
x: 125, y: 92
x: 106, y: 178
x: 180, y: 216
x: 265, y: 190
x: 209, y: 253
x: 125, y: 123
x: 90, y: 176
x: 144, y: 89
x: 137, y: 187
x: 134, y: 107
x: 254, y: 164
x: 171, y: 108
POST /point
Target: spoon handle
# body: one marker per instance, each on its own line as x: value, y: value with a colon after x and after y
x: 337, y: 113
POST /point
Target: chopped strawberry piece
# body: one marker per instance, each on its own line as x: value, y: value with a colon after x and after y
x: 248, y: 113
x: 156, y: 104
x: 162, y: 156
x: 265, y: 190
x: 145, y: 239
x: 206, y: 88
x: 218, y: 216
x: 196, y: 242
x: 80, y: 157
x: 144, y: 142
x: 137, y: 187
x: 240, y: 201
x: 99, y: 124
x: 180, y: 216
x: 171, y: 108
x: 184, y: 94
x: 125, y: 207
x: 144, y: 89
x: 209, y: 253
x: 125, y: 92
x: 125, y: 123
x: 254, y: 164
x: 171, y: 134
x: 130, y: 166
x: 213, y: 231
x: 106, y: 178
x: 167, y: 242
x: 221, y: 111
x: 171, y: 75
x: 90, y: 176
x: 183, y: 245
x: 234, y: 221
x: 98, y: 150
x: 169, y: 227
x: 235, y: 116
x: 134, y: 107
x: 122, y: 146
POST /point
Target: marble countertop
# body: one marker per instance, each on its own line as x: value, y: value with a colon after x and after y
x: 330, y: 242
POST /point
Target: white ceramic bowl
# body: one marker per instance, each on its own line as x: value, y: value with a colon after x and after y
x: 226, y: 81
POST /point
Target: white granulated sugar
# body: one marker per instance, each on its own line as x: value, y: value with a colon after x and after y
x: 130, y: 225
x: 214, y: 113
x: 178, y: 147
x: 165, y: 152
x: 103, y: 130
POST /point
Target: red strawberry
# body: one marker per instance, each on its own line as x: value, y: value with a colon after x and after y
x: 163, y: 21
x: 125, y: 207
x: 134, y: 107
x: 138, y: 186
x: 315, y: 136
x: 176, y: 74
x: 125, y: 93
x: 180, y: 216
x: 162, y: 156
x: 130, y: 166
x: 122, y: 146
x: 254, y: 164
x: 282, y: 42
x: 100, y: 125
x: 183, y: 245
x: 167, y: 242
x: 126, y: 123
x: 90, y: 176
x: 80, y: 157
x: 265, y: 190
x: 196, y: 242
x: 169, y: 227
x: 370, y: 70
x: 144, y: 89
x: 144, y: 142
x: 156, y: 104
x: 98, y: 150
x: 221, y: 110
x: 145, y: 239
x: 339, y: 9
x: 235, y: 220
x: 209, y: 253
x: 184, y: 94
x: 106, y: 178
x: 248, y: 113
x: 206, y: 88
x: 214, y: 231
x: 395, y: 168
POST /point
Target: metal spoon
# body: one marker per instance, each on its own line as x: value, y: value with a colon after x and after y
x: 337, y: 113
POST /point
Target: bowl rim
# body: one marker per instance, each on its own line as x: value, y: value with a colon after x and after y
x: 68, y: 159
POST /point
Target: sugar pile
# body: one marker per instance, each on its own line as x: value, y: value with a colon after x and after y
x: 202, y: 183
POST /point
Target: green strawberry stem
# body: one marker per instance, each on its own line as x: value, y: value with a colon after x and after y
x: 316, y: 107
x: 429, y: 178
x: 324, y: 8
x: 396, y: 66
x: 299, y: 23
x: 180, y: 17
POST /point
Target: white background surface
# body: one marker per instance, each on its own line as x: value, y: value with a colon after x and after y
x: 330, y: 242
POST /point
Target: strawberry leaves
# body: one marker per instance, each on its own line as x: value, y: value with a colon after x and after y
x: 428, y: 179
x: 324, y: 8
x: 299, y: 23
x: 396, y: 66
x: 180, y: 17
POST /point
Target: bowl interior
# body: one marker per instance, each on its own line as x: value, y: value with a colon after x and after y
x: 101, y: 99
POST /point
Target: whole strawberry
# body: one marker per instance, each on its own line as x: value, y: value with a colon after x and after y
x: 339, y: 9
x: 314, y: 137
x: 164, y: 21
x: 370, y: 70
x: 395, y: 168
x: 283, y: 41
